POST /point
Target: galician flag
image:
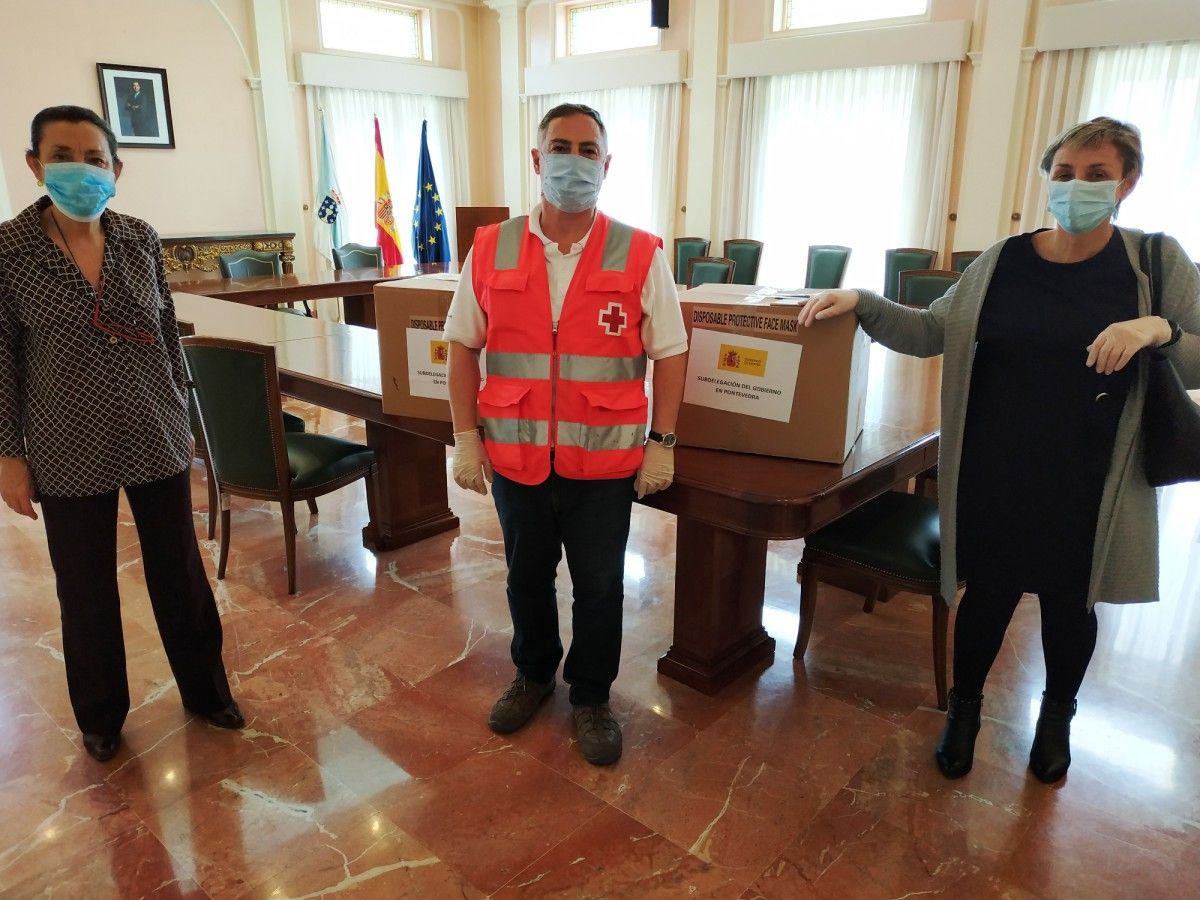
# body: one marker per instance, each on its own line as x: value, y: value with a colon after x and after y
x: 327, y: 229
x: 385, y: 225
x: 429, y: 222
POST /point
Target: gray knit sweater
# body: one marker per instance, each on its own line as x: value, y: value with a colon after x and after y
x: 1125, y: 552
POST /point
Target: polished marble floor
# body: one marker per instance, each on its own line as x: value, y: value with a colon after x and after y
x: 367, y: 768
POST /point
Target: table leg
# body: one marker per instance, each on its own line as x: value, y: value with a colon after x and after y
x: 359, y: 310
x: 411, y: 502
x: 719, y: 580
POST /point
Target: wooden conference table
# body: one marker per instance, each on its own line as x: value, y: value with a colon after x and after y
x: 728, y: 505
x: 355, y: 286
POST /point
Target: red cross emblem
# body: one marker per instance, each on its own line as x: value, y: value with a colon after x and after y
x: 613, y: 319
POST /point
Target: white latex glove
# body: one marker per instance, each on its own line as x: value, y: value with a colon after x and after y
x: 470, y: 466
x: 657, y: 470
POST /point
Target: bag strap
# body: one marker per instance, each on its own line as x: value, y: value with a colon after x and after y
x: 1150, y: 259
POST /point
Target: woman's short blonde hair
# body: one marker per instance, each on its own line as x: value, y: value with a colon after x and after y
x: 1097, y: 132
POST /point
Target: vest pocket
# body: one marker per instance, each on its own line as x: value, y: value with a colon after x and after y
x: 610, y: 282
x: 504, y: 428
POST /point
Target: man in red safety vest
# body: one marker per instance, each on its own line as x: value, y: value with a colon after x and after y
x: 569, y: 305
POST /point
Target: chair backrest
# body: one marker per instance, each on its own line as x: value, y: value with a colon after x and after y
x: 960, y: 259
x: 246, y: 263
x: 467, y: 219
x: 747, y: 254
x: 710, y: 270
x: 900, y: 259
x: 237, y: 393
x: 920, y: 287
x: 826, y: 266
x: 685, y: 249
x: 357, y: 256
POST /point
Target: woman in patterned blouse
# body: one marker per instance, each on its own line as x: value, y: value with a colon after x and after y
x: 93, y: 400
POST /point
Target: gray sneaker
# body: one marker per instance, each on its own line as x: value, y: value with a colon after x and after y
x: 518, y: 703
x: 599, y: 734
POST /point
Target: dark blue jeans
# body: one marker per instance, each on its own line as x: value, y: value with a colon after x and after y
x: 590, y: 520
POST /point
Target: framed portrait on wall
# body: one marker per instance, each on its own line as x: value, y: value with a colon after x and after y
x: 136, y: 105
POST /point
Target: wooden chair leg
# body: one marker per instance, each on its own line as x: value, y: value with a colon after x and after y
x: 369, y: 480
x: 213, y: 502
x: 941, y: 619
x: 224, y: 557
x: 289, y: 544
x: 312, y: 506
x: 808, y: 605
x: 878, y: 595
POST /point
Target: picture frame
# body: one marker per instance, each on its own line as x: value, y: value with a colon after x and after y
x: 137, y: 105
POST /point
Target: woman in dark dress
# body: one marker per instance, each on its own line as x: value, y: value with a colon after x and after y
x: 93, y: 400
x: 1040, y: 487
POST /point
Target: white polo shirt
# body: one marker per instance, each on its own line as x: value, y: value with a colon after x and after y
x: 663, y: 334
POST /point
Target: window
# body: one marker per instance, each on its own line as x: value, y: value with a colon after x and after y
x: 1157, y: 88
x: 791, y: 14
x: 819, y: 171
x: 611, y: 25
x: 377, y: 28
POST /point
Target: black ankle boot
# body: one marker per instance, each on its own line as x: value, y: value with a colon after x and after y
x: 1050, y: 756
x: 956, y: 748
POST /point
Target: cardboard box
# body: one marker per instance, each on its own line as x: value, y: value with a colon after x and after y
x: 413, y: 359
x: 759, y: 382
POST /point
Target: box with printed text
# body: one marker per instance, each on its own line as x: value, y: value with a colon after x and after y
x: 759, y: 382
x: 413, y: 358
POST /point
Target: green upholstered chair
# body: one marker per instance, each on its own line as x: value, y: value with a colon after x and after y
x: 685, y: 249
x: 920, y: 287
x: 357, y: 256
x: 826, y: 266
x: 237, y: 393
x: 960, y: 259
x: 248, y: 263
x: 894, y: 542
x: 747, y: 254
x: 900, y: 259
x: 710, y: 270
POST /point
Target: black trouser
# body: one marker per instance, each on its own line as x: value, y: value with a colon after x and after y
x: 590, y: 519
x: 82, y: 535
x: 1068, y: 637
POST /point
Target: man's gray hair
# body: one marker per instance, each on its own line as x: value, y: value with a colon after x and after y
x: 564, y: 110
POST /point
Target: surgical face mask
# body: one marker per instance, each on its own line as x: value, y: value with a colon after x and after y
x: 1079, y: 206
x: 571, y: 183
x: 78, y: 190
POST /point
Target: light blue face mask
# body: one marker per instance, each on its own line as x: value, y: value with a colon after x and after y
x: 570, y: 182
x: 78, y: 190
x: 1079, y: 206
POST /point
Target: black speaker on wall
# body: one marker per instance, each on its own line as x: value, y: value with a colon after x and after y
x: 659, y: 14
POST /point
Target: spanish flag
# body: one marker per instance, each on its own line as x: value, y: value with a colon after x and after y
x: 385, y: 225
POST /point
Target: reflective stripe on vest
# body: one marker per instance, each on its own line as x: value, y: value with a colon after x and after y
x: 508, y: 243
x: 518, y: 431
x: 573, y: 367
x: 520, y: 365
x: 601, y: 437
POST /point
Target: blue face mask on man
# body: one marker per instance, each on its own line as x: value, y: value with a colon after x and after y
x: 571, y: 183
x: 1079, y: 206
x: 78, y: 190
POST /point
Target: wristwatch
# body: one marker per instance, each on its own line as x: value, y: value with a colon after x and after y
x: 1176, y: 334
x: 668, y: 440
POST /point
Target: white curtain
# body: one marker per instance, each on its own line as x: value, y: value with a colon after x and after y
x: 859, y: 157
x: 1058, y: 90
x: 643, y: 137
x: 349, y: 116
x: 1157, y: 88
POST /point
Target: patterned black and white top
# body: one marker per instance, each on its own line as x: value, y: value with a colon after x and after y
x: 91, y: 412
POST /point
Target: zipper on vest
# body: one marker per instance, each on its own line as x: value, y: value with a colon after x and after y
x: 553, y: 385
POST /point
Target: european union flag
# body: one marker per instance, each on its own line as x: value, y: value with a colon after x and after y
x: 429, y: 221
